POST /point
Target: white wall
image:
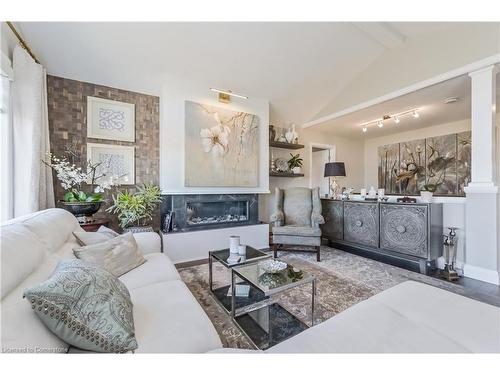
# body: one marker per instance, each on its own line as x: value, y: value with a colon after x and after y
x: 350, y: 151
x: 172, y: 153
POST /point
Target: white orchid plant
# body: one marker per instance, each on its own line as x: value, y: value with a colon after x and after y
x: 72, y: 178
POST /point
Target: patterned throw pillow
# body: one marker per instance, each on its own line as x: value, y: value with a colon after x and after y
x: 117, y: 255
x: 85, y: 306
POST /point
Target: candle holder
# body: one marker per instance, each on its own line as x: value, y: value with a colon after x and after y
x: 450, y: 255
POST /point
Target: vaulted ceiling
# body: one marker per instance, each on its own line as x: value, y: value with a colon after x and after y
x: 298, y: 67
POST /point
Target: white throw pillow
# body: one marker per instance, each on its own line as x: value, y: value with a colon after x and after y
x: 91, y: 238
x: 117, y: 255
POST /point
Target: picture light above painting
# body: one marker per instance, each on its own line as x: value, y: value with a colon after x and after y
x: 440, y: 164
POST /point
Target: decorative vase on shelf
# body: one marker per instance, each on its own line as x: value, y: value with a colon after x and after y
x: 289, y: 136
x: 272, y: 133
x: 297, y: 170
x: 372, y: 193
x: 295, y: 135
x: 280, y: 134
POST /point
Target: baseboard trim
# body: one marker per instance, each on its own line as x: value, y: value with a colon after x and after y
x: 191, y: 263
x: 483, y: 274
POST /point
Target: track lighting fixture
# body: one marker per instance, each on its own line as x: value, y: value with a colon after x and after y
x: 396, y: 117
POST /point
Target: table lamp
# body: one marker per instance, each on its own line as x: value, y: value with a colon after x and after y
x: 334, y: 169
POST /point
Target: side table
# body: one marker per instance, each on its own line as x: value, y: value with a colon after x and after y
x: 94, y: 225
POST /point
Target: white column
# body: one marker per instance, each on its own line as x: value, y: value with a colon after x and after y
x: 482, y: 246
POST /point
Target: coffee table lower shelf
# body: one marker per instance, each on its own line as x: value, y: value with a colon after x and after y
x: 269, y: 325
x: 224, y: 300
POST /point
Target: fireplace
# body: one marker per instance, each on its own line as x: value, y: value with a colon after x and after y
x: 182, y: 213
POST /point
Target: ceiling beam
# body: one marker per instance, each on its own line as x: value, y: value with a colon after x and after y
x: 382, y: 33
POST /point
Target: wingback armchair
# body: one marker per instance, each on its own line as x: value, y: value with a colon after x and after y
x: 296, y: 219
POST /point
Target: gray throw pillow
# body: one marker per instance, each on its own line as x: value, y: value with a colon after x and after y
x: 85, y: 306
x: 91, y: 238
x: 117, y: 255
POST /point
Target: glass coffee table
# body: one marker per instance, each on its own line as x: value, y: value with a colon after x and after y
x: 223, y: 294
x: 265, y: 323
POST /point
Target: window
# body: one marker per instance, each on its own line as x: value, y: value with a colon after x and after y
x: 6, y: 188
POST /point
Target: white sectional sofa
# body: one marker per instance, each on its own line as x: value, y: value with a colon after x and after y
x: 411, y: 317
x: 167, y: 317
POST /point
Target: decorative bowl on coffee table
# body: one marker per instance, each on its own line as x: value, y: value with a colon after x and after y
x: 272, y: 266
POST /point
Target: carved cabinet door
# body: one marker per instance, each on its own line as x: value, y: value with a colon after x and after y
x: 403, y: 228
x: 333, y: 212
x: 361, y: 223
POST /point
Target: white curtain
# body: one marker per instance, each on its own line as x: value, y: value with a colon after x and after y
x: 32, y: 188
x: 7, y: 209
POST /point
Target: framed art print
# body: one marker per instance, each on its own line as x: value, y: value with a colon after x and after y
x: 222, y: 147
x: 110, y: 119
x: 115, y: 160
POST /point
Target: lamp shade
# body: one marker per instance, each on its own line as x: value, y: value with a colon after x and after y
x: 334, y: 169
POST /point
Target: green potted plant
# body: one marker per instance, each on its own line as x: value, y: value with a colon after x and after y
x: 82, y: 199
x: 135, y: 209
x: 295, y: 163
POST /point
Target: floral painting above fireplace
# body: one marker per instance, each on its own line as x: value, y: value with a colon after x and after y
x: 439, y: 164
x: 221, y: 147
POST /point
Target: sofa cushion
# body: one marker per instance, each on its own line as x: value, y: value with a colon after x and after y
x: 118, y: 255
x: 85, y: 306
x: 451, y: 318
x: 168, y: 319
x: 408, y: 318
x: 148, y: 242
x: 92, y: 238
x: 157, y: 268
x: 52, y: 227
x: 21, y: 254
x: 297, y: 230
x: 21, y: 328
x: 297, y: 205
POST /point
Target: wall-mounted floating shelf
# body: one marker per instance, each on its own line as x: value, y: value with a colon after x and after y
x: 285, y: 174
x: 291, y: 146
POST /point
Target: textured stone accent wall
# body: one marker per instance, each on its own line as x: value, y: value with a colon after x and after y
x: 67, y: 110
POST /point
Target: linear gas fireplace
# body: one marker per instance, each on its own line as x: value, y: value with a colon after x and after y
x: 181, y: 213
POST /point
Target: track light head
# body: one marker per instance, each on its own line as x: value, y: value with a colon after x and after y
x: 380, y: 124
x: 415, y: 114
x: 396, y: 119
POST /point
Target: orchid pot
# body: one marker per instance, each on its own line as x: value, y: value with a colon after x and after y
x: 426, y: 196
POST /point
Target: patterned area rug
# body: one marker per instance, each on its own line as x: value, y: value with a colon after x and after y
x: 343, y: 279
x: 335, y: 293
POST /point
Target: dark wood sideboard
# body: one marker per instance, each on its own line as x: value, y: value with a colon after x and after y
x: 408, y: 235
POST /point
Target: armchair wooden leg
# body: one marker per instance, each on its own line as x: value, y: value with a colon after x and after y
x: 318, y: 250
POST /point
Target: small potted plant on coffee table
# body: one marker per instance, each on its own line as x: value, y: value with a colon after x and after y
x: 135, y: 209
